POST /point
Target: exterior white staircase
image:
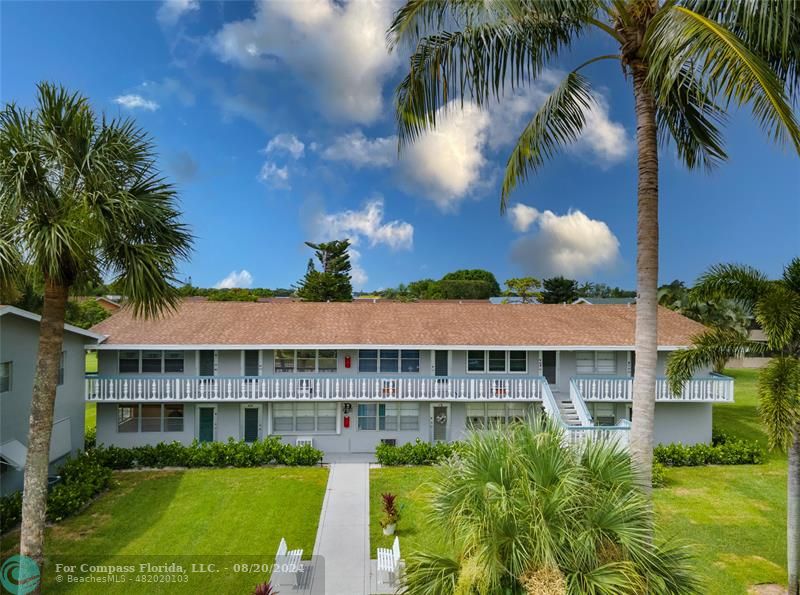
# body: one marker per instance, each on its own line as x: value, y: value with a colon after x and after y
x: 568, y: 413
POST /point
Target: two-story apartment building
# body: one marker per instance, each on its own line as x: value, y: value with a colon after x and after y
x: 19, y: 343
x: 347, y: 376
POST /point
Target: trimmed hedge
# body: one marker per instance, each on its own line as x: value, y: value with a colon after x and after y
x: 270, y: 451
x: 82, y: 478
x: 415, y: 453
x: 726, y: 452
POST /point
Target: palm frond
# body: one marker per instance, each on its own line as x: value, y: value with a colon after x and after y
x: 689, y: 117
x: 770, y: 28
x: 791, y: 275
x: 684, y: 38
x: 779, y: 399
x: 477, y: 62
x: 557, y: 123
x: 778, y: 314
x: 709, y: 347
x: 742, y: 283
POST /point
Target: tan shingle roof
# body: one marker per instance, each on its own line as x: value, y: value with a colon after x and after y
x: 420, y: 324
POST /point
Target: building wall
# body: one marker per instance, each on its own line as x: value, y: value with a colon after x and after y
x: 685, y: 423
x: 19, y: 342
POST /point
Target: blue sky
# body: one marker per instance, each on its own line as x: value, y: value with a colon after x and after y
x: 275, y: 122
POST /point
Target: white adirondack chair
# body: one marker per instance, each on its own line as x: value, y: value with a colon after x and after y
x: 389, y: 562
x: 287, y: 564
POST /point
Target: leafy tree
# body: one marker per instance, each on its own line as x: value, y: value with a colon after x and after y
x: 80, y: 198
x: 332, y: 283
x: 719, y: 312
x: 686, y: 60
x: 475, y: 275
x: 526, y: 288
x: 522, y: 514
x: 601, y: 290
x: 86, y: 313
x: 776, y: 305
x: 464, y: 289
x: 559, y: 290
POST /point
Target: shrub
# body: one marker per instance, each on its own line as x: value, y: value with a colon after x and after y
x: 82, y: 478
x: 659, y: 475
x: 415, y: 453
x: 726, y: 452
x: 90, y: 439
x: 270, y: 451
x: 10, y: 511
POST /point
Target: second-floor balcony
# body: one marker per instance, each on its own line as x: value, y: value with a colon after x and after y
x: 285, y: 387
x: 709, y: 389
x: 313, y: 388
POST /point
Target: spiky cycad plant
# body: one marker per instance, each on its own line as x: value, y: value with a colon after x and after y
x: 521, y: 513
x: 80, y: 199
x: 687, y: 60
x: 776, y: 307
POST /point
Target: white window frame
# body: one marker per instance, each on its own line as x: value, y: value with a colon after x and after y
x: 294, y: 361
x: 507, y: 365
x: 400, y: 359
x: 595, y: 370
x: 162, y: 418
x: 506, y: 417
x: 294, y: 430
x: 9, y: 365
x: 397, y: 416
x: 62, y: 368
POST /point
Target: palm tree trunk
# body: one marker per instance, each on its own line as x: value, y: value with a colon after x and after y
x: 644, y: 381
x: 793, y: 514
x: 34, y: 495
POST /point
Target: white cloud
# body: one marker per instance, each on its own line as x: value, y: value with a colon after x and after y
x: 286, y: 142
x: 572, y: 245
x: 272, y: 175
x: 367, y: 223
x: 339, y: 50
x: 445, y: 163
x: 133, y: 101
x: 362, y: 226
x: 360, y: 151
x: 522, y: 216
x: 241, y: 278
x: 603, y: 138
x: 171, y: 11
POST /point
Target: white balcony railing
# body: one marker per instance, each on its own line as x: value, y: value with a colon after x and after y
x: 709, y: 389
x: 313, y: 388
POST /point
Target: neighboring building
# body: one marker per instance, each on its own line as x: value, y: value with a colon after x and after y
x: 601, y: 301
x: 511, y: 299
x: 19, y: 342
x: 347, y: 376
x: 752, y: 361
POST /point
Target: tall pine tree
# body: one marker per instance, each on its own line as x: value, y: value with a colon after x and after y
x: 332, y: 283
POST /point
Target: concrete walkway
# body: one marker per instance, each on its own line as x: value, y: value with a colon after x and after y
x: 343, y: 533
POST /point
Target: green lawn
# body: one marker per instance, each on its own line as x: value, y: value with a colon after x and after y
x: 239, y: 513
x: 735, y: 515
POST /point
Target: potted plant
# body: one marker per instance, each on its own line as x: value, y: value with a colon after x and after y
x: 391, y: 514
x: 265, y: 589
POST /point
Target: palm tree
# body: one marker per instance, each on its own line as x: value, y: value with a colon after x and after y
x: 522, y: 514
x: 80, y: 199
x: 776, y: 306
x: 687, y: 60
